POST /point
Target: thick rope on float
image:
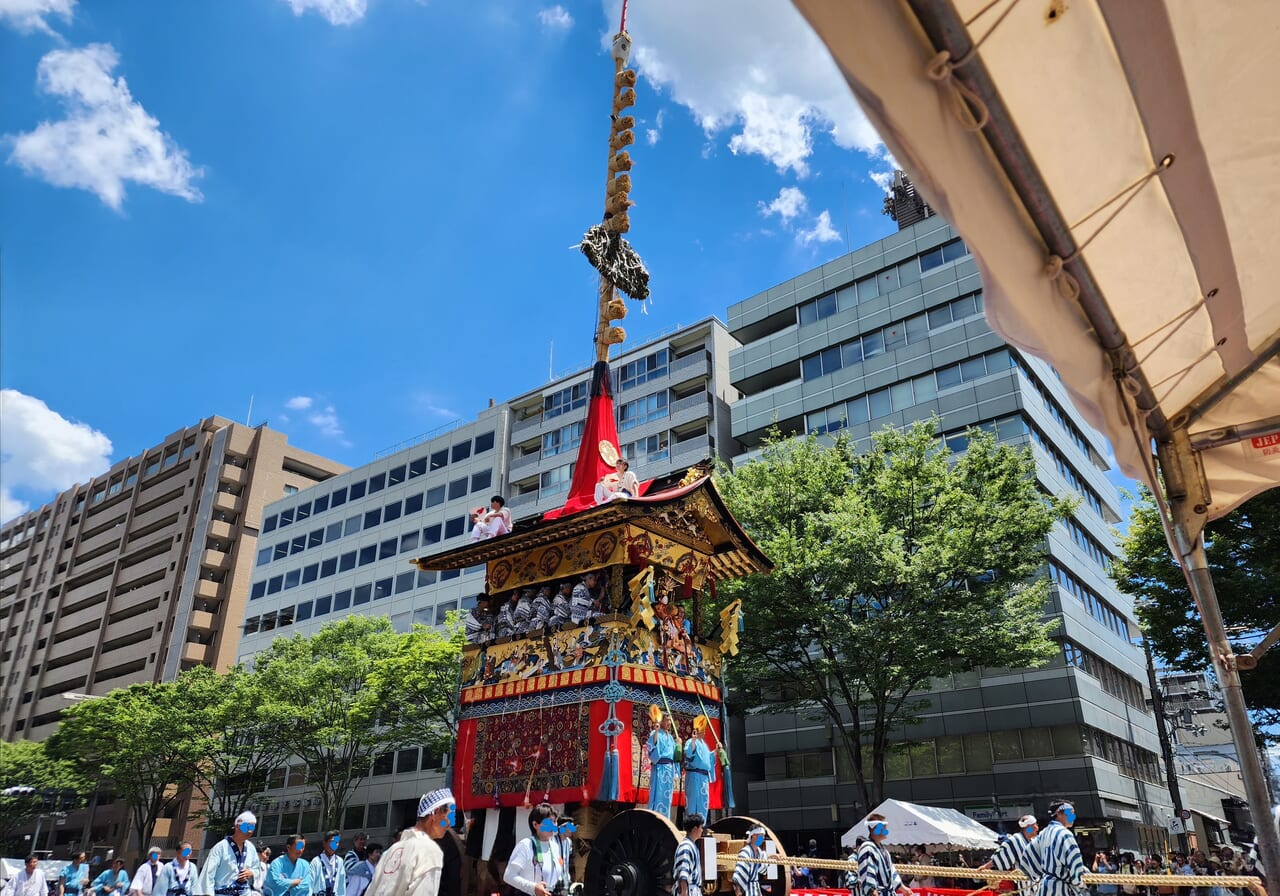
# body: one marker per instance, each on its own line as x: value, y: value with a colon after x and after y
x: 618, y: 263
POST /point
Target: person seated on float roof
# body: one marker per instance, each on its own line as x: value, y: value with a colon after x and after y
x: 490, y: 523
x: 621, y: 483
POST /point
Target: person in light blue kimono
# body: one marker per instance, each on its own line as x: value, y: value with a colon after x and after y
x: 661, y: 749
x: 699, y: 770
x: 290, y: 874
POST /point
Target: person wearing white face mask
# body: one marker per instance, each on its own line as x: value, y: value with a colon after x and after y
x: 176, y: 878
x: 1015, y: 852
x: 144, y: 879
x: 328, y: 873
x: 232, y: 866
x: 537, y: 863
x: 876, y: 874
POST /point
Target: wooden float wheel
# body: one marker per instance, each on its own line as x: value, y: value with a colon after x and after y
x: 632, y: 855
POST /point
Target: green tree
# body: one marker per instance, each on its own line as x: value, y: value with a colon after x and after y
x: 893, y: 567
x: 338, y: 690
x: 1243, y: 550
x: 248, y: 733
x: 27, y: 763
x: 141, y: 743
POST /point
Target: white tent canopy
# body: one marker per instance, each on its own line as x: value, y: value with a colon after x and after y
x: 915, y: 825
x: 1114, y: 166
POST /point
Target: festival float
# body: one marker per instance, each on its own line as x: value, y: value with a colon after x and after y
x: 562, y: 713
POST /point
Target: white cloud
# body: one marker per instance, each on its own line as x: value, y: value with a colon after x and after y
x: 820, y: 232
x: 790, y: 202
x: 42, y: 451
x: 327, y: 422
x: 299, y: 403
x: 30, y: 15
x: 336, y: 12
x: 106, y: 139
x: 653, y: 134
x: 751, y: 67
x: 555, y: 18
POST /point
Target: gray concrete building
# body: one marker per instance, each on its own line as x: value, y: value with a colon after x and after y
x: 884, y: 336
x: 134, y: 576
x: 344, y: 547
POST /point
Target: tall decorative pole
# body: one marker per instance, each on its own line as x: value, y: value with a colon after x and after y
x: 620, y: 267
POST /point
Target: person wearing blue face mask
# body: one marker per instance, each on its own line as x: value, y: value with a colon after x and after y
x: 747, y: 875
x: 176, y: 877
x: 537, y: 865
x: 412, y: 866
x: 1014, y: 854
x: 1055, y: 855
x: 289, y: 874
x: 232, y: 866
x: 876, y: 874
x: 328, y: 873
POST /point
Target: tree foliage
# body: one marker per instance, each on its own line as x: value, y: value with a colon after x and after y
x: 339, y: 689
x: 893, y: 567
x: 140, y: 742
x: 27, y: 763
x: 1243, y: 551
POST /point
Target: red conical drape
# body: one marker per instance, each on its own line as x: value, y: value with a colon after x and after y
x: 600, y: 427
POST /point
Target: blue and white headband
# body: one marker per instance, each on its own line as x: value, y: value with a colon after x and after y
x: 434, y: 800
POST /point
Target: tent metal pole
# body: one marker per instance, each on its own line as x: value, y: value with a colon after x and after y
x: 1195, y: 567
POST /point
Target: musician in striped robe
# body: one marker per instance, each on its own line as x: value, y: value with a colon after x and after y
x: 687, y: 872
x: 1014, y: 854
x: 876, y: 874
x: 747, y: 875
x: 479, y: 623
x: 1055, y: 856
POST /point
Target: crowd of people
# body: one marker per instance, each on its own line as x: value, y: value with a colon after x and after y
x: 522, y: 612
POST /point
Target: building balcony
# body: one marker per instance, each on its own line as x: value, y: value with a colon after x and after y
x: 526, y: 425
x: 686, y: 410
x: 233, y: 475
x: 220, y: 530
x: 525, y: 500
x: 194, y: 653
x: 692, y: 366
x: 215, y: 560
x: 202, y: 622
x: 691, y: 450
x: 226, y: 502
x: 526, y: 460
x: 207, y: 590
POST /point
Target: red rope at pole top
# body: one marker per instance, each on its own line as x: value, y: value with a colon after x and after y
x: 622, y: 26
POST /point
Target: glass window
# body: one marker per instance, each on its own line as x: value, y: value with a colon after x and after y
x: 320, y: 504
x: 368, y: 554
x: 553, y: 482
x: 948, y: 376
x: 827, y: 305
x: 286, y: 517
x: 328, y: 567
x: 407, y: 761
x: 868, y: 288
x: 925, y: 387
x: 377, y: 483
x: 298, y: 545
x: 264, y: 556
x: 455, y: 527
x: 259, y: 589
x: 811, y: 367
x: 917, y: 328
x: 439, y: 459
x: 353, y: 817
x: 292, y: 578
x: 310, y: 573
x: 303, y: 611
x: 352, y: 526
x: 372, y: 518
x: 315, y: 538
x: 347, y: 561
x: 404, y: 581
x: 388, y: 548
x: 888, y: 280
x: 458, y: 488
x: 965, y: 306
x: 461, y: 451
x: 338, y: 498
x: 895, y: 337
x: 950, y: 752
x: 426, y: 578
x: 972, y: 368
x: 857, y: 410
x: 1006, y: 747
x: 395, y: 475
x: 382, y: 588
x: 977, y: 753
x: 274, y: 584
x: 807, y: 313
x: 357, y: 490
x: 342, y: 600
x: 269, y: 524
x: 377, y: 817
x: 362, y: 594
x: 417, y: 467
x: 443, y: 610
x: 939, y: 317
x: 409, y: 541
x: 1066, y: 740
x: 484, y: 442
x: 391, y: 512
x: 413, y: 504
x: 924, y: 764
x: 931, y: 259
x: 900, y: 395
x: 1037, y: 743
x: 302, y: 512
x: 323, y: 604
x: 873, y: 344
x: 431, y: 535
x: 481, y: 481
x: 879, y: 403
x: 897, y: 762
x: 435, y: 496
x: 383, y: 765
x: 333, y: 531
x: 954, y: 249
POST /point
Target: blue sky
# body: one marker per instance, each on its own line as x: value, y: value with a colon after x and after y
x: 366, y: 206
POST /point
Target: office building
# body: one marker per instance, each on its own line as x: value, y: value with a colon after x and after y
x: 885, y: 336
x: 344, y: 546
x: 134, y: 576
